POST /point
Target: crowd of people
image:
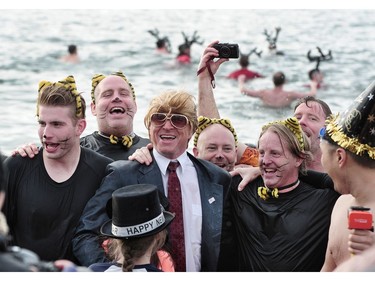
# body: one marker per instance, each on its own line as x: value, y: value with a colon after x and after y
x: 107, y: 201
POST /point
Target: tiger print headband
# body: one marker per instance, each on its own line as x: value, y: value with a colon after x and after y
x: 204, y: 122
x: 97, y: 78
x: 68, y: 83
x: 293, y: 125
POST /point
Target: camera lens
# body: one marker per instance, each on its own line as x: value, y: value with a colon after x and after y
x: 225, y: 52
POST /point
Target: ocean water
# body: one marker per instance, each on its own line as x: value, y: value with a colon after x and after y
x: 110, y: 40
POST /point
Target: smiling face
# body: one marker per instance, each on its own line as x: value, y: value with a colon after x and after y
x: 279, y: 167
x: 115, y: 106
x: 217, y: 145
x: 168, y: 140
x: 312, y: 119
x: 58, y: 131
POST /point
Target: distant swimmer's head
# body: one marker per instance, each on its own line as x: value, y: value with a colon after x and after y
x: 272, y: 46
x: 244, y: 60
x: 316, y: 75
x: 184, y: 49
x: 278, y: 78
x: 163, y: 45
x: 160, y: 43
x: 72, y: 49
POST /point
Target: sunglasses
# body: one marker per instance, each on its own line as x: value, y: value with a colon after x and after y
x: 178, y: 121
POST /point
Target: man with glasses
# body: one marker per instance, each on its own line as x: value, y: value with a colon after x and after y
x: 171, y: 121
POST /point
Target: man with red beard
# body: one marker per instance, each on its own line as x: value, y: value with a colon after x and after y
x: 46, y: 194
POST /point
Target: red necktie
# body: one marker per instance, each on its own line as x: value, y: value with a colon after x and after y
x: 177, y: 226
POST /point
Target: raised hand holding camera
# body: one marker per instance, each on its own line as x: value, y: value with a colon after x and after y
x: 227, y: 50
x: 222, y: 51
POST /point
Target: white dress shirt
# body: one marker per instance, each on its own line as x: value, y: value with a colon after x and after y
x: 191, y: 206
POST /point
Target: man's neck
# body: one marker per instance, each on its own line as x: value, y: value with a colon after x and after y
x: 316, y: 164
x: 116, y: 132
x: 63, y: 168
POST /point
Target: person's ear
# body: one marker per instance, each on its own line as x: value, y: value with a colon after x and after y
x: 93, y: 108
x: 341, y: 155
x: 195, y: 151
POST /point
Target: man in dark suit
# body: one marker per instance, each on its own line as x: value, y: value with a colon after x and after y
x: 171, y: 121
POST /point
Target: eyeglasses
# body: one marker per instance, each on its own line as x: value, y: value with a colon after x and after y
x: 178, y: 121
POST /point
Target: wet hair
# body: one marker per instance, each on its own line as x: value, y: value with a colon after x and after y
x: 244, y: 61
x: 174, y: 101
x: 293, y: 145
x: 278, y: 78
x: 54, y: 95
x: 312, y: 72
x: 182, y: 49
x: 309, y: 99
x: 160, y: 43
x: 72, y: 49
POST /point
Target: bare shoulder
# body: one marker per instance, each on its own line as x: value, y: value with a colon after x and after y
x: 293, y: 94
x: 340, y: 210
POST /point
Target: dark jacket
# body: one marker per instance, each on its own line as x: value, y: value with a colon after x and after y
x: 213, y: 181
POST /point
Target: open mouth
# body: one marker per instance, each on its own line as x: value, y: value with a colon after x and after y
x: 50, y: 147
x: 167, y: 137
x: 269, y: 171
x: 117, y: 110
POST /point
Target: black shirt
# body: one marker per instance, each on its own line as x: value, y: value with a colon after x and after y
x: 117, y: 151
x: 288, y: 233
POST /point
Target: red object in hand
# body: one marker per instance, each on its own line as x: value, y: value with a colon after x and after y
x: 360, y: 218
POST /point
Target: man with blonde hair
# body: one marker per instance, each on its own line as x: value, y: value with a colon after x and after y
x: 171, y: 121
x: 280, y: 222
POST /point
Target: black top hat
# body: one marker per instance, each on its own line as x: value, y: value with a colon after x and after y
x: 354, y: 130
x: 136, y: 212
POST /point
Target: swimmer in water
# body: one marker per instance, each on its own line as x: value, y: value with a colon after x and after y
x: 72, y: 56
x: 276, y: 97
x: 184, y: 56
x: 163, y: 45
x: 315, y: 74
x: 272, y: 42
x: 244, y: 62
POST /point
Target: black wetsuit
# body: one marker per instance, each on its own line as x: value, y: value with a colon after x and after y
x: 288, y: 233
x: 103, y: 146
